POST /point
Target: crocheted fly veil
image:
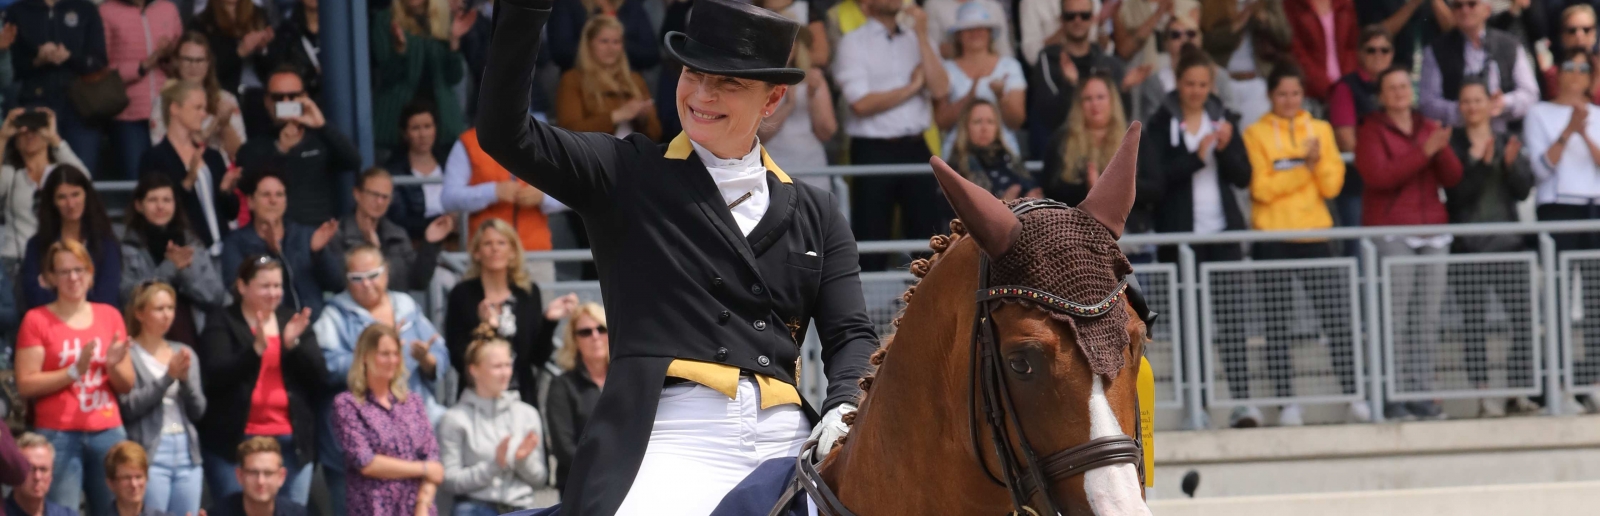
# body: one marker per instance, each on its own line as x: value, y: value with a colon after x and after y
x: 1065, y: 259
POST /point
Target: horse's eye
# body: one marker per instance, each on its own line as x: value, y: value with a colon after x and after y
x: 1020, y: 365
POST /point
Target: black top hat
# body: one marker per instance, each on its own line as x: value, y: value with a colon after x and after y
x: 736, y: 40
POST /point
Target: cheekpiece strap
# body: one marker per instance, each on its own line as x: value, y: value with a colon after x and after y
x: 1054, y: 302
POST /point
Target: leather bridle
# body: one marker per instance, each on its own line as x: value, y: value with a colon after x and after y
x: 990, y: 399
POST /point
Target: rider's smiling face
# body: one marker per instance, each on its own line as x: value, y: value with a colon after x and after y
x: 722, y: 113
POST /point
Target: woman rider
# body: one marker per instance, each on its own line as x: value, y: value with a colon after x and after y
x: 712, y: 262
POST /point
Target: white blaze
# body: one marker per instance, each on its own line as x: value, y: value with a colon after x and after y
x: 1112, y: 490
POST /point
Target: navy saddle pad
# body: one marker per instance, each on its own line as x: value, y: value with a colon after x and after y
x: 754, y: 496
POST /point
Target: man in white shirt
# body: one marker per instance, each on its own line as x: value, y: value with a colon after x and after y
x: 1473, y: 51
x: 887, y: 72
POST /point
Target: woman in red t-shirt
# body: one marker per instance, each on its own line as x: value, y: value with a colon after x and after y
x: 72, y: 363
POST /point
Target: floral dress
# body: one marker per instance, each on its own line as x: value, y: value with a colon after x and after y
x: 365, y: 430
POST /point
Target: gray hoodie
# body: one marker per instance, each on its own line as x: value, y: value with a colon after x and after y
x: 468, y: 436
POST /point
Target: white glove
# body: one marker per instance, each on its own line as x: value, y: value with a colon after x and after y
x: 830, y: 429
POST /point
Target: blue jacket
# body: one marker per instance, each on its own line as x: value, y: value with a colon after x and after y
x: 72, y: 23
x: 107, y: 276
x: 342, y: 322
x: 309, y: 273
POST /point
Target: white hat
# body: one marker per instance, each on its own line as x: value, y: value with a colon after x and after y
x: 974, y: 15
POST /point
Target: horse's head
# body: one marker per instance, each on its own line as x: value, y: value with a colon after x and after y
x: 1057, y: 342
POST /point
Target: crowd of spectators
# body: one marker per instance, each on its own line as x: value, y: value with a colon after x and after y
x: 252, y: 318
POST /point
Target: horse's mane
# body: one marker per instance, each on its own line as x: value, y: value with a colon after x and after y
x: 919, y: 268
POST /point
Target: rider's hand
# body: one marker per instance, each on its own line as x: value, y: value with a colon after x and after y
x: 830, y: 429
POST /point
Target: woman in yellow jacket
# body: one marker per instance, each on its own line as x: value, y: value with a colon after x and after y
x: 1296, y: 168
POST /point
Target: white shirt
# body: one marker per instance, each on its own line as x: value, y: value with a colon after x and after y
x: 1207, y: 193
x: 431, y: 192
x: 737, y: 177
x: 208, y: 204
x: 1576, y: 179
x: 871, y: 59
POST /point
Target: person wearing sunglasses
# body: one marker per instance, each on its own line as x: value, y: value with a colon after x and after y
x: 1180, y: 32
x: 317, y: 161
x: 367, y: 300
x: 1324, y: 45
x: 1351, y: 99
x: 1064, y: 67
x: 1577, y: 31
x: 1475, y: 50
x: 585, y: 358
x: 266, y: 370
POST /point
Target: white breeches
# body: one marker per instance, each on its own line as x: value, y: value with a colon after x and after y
x: 703, y: 444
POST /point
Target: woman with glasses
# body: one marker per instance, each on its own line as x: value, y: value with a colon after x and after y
x: 184, y: 158
x: 389, y: 445
x: 158, y: 246
x: 585, y: 358
x: 222, y: 128
x: 266, y: 370
x: 1324, y: 43
x: 490, y: 441
x: 128, y: 474
x: 70, y: 209
x: 71, y: 365
x: 497, y: 291
x: 167, y: 398
x: 310, y: 267
x: 366, y: 301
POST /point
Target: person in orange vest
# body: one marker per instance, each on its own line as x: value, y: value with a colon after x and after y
x: 476, y: 184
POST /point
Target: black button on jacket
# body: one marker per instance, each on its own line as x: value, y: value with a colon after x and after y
x: 660, y: 232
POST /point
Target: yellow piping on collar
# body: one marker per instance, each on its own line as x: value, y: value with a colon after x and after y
x: 680, y: 148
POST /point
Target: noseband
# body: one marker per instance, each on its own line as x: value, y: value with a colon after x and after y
x: 1029, y: 474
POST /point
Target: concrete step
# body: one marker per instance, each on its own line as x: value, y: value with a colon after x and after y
x: 1379, y: 457
x: 1543, y: 499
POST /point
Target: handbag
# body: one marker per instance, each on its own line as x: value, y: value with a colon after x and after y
x: 99, y: 95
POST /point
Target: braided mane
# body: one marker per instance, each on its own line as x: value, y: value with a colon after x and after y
x: 919, y: 268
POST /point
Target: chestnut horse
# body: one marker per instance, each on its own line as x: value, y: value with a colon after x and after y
x: 911, y: 449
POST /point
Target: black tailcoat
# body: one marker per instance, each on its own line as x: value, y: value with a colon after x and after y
x: 680, y: 280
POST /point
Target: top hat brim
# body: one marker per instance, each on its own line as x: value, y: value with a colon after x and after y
x: 704, y: 59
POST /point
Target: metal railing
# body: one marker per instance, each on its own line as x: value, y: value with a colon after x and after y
x: 1330, y: 330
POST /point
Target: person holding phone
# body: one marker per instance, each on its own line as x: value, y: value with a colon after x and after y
x: 58, y: 42
x: 158, y: 246
x: 365, y: 302
x: 32, y: 149
x: 317, y: 162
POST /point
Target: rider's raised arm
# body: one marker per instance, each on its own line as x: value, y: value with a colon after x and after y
x: 575, y: 168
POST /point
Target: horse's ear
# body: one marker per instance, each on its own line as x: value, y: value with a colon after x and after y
x: 1112, y: 196
x: 987, y: 219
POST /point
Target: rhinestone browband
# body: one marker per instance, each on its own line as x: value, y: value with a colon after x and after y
x: 1055, y: 302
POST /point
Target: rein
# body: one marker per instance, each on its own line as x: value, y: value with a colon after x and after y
x: 1029, y: 474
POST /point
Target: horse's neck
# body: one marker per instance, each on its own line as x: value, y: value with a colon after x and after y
x: 913, y: 428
